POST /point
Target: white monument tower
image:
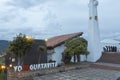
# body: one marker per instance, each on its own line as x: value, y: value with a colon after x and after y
x: 94, y: 37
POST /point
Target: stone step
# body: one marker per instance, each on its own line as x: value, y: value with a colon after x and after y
x: 110, y: 57
x: 106, y: 66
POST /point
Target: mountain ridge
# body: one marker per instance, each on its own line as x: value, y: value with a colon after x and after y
x: 3, y: 45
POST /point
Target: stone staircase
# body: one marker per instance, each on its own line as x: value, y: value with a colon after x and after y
x: 107, y: 66
x: 110, y: 57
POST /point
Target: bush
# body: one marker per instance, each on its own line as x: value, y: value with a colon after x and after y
x: 50, y: 61
x: 2, y: 75
x: 0, y: 68
x: 42, y: 48
x: 66, y: 58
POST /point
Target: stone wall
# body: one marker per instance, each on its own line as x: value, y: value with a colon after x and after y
x: 110, y: 57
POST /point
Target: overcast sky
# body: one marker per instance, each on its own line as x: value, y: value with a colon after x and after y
x: 46, y: 18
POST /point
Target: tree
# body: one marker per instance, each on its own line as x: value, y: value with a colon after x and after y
x: 86, y: 54
x: 75, y: 47
x: 19, y: 46
x: 66, y: 56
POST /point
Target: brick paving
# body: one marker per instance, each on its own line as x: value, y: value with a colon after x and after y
x: 96, y: 71
x: 85, y: 71
x: 82, y: 74
x: 23, y: 75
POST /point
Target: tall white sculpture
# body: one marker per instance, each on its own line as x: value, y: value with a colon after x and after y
x: 94, y: 37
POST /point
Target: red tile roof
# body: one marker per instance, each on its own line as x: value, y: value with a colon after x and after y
x: 58, y: 40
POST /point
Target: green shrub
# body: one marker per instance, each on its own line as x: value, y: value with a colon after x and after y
x: 0, y: 68
x: 50, y: 61
x: 2, y: 75
x: 42, y: 48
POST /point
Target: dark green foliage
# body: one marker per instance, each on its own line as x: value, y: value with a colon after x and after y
x: 2, y: 75
x: 67, y: 58
x: 75, y: 47
x: 20, y: 45
x: 51, y: 61
x: 0, y: 68
x: 41, y: 48
x: 2, y: 60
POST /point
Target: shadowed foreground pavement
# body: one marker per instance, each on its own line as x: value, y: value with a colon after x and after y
x: 82, y: 74
x: 83, y: 71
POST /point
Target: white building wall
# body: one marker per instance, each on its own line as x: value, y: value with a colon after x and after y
x: 82, y: 57
x: 49, y: 57
x: 57, y: 55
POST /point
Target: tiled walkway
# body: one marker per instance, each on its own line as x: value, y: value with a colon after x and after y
x: 92, y: 71
x: 96, y: 71
x: 82, y: 74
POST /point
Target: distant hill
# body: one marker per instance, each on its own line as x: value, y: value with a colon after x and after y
x: 3, y: 45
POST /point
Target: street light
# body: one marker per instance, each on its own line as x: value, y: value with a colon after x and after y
x: 46, y: 40
x: 3, y: 67
x: 13, y: 59
x: 28, y: 38
x: 10, y: 65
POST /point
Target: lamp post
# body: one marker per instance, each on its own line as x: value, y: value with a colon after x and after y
x: 4, y: 69
x: 46, y: 40
x: 28, y: 38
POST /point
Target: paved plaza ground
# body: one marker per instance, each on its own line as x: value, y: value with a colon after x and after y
x: 82, y: 74
x: 83, y: 71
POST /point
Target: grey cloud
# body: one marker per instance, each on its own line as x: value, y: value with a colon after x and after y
x: 3, y: 30
x: 23, y: 29
x: 26, y: 3
x: 8, y: 15
x: 62, y: 17
x: 7, y: 34
x: 52, y: 22
x: 11, y: 33
x: 31, y: 32
x: 6, y: 18
x: 111, y: 35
